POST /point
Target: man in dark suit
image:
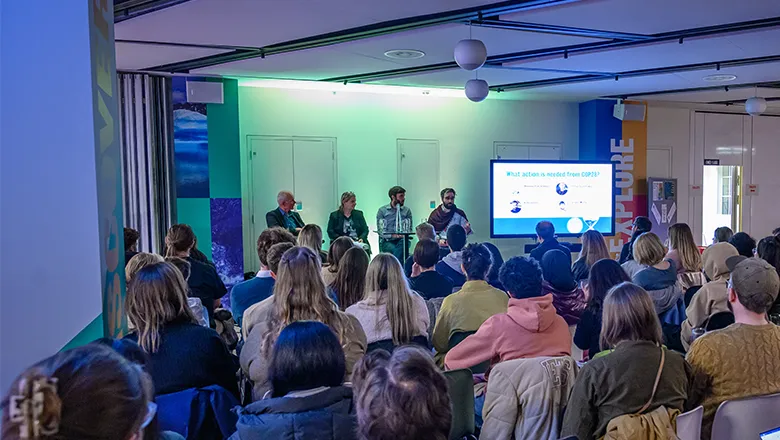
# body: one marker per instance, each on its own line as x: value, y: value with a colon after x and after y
x: 546, y: 233
x: 284, y: 216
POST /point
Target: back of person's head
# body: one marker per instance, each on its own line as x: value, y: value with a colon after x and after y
x: 402, y: 396
x: 521, y: 277
x: 456, y: 238
x: 386, y: 283
x: 629, y: 315
x: 681, y: 240
x: 744, y: 243
x: 426, y: 253
x: 183, y: 265
x: 604, y: 275
x: 648, y: 249
x: 425, y: 231
x: 350, y: 281
x: 723, y: 234
x: 545, y: 230
x: 768, y: 249
x: 642, y: 225
x: 128, y: 349
x: 394, y: 191
x: 755, y: 282
x: 476, y: 261
x: 311, y: 237
x: 338, y: 248
x: 306, y: 355
x: 156, y: 295
x: 131, y: 239
x: 594, y: 247
x: 180, y: 239
x: 556, y: 270
x: 270, y: 237
x: 498, y: 261
x: 776, y: 231
x: 138, y: 262
x: 274, y: 255
x: 714, y: 260
x: 89, y: 392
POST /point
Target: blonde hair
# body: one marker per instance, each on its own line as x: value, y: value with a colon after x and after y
x: 594, y: 247
x: 629, y: 315
x: 138, y: 262
x: 311, y: 237
x: 386, y: 284
x: 180, y: 238
x: 156, y: 295
x: 300, y: 295
x: 648, y: 249
x: 681, y: 240
x: 347, y: 196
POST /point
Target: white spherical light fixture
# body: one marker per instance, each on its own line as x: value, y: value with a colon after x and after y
x: 755, y: 106
x: 477, y: 90
x: 470, y: 54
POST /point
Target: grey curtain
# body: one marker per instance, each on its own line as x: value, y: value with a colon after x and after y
x: 149, y: 190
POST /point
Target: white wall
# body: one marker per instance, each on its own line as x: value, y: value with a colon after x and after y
x: 367, y: 126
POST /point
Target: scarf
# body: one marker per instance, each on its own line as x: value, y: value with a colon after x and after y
x: 439, y: 218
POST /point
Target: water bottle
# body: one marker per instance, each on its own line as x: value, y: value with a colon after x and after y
x: 696, y: 333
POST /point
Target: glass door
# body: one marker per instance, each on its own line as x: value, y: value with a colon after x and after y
x: 721, y: 200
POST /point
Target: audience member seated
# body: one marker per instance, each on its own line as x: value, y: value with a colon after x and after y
x: 568, y: 298
x: 743, y: 359
x: 744, y: 243
x: 167, y: 330
x: 337, y: 249
x: 402, y: 396
x: 594, y: 248
x: 204, y: 282
x: 425, y: 280
x: 495, y: 268
x: 284, y: 216
x: 389, y: 309
x: 722, y: 235
x: 131, y: 243
x: 712, y: 298
x: 424, y: 231
x: 349, y: 222
x: 768, y: 249
x: 622, y: 382
x: 349, y: 286
x: 641, y: 225
x: 274, y: 256
x: 467, y: 310
x: 243, y: 295
x: 659, y: 276
x: 195, y: 304
x: 308, y: 400
x: 545, y: 233
x: 451, y: 265
x: 604, y: 275
x: 299, y: 294
x: 90, y: 392
x: 529, y: 328
x: 686, y: 256
x: 311, y: 237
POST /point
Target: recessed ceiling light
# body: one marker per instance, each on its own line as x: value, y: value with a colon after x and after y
x: 720, y: 77
x: 404, y: 54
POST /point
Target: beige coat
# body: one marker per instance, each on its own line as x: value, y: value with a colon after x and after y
x: 526, y: 398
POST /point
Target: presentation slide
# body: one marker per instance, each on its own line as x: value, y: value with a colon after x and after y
x: 574, y: 196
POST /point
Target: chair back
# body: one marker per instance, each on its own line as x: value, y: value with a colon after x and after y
x: 198, y: 413
x: 461, y: 389
x: 387, y: 344
x: 746, y: 418
x: 689, y: 424
x: 456, y: 339
x: 688, y: 296
x: 719, y: 320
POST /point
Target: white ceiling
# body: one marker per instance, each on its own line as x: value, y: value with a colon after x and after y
x: 257, y: 23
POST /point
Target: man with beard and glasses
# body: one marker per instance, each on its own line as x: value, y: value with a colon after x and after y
x: 447, y: 214
x: 394, y: 217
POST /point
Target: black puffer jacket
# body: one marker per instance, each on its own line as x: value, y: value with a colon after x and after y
x: 327, y: 415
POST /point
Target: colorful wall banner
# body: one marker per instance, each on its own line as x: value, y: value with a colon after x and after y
x: 606, y: 138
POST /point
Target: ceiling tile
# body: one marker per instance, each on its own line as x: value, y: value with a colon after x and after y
x: 142, y: 56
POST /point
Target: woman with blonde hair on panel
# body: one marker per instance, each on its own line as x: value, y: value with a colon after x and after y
x: 349, y: 222
x: 659, y: 275
x: 390, y: 310
x: 685, y: 254
x: 311, y: 237
x: 594, y: 248
x: 622, y: 382
x: 299, y: 295
x: 167, y: 329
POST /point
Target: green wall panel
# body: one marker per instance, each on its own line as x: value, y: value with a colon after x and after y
x: 224, y: 152
x: 197, y: 213
x: 93, y: 330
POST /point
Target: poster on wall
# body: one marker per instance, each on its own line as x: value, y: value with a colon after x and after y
x: 662, y: 205
x: 190, y: 144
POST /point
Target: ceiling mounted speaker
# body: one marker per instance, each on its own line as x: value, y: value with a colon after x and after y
x: 477, y: 90
x: 755, y: 106
x: 470, y: 54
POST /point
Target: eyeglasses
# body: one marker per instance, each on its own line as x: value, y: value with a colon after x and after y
x: 151, y: 411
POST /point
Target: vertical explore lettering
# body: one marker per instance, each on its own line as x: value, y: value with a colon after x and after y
x: 623, y: 156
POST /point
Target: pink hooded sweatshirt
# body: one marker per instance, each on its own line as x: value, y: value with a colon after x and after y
x: 530, y: 328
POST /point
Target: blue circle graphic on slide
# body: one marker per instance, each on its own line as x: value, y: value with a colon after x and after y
x: 574, y: 225
x: 561, y: 188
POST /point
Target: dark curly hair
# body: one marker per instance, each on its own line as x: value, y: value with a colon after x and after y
x: 476, y: 261
x: 131, y: 238
x: 521, y: 277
